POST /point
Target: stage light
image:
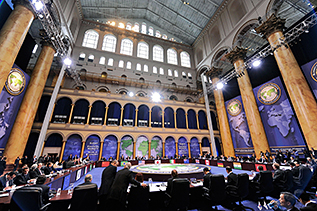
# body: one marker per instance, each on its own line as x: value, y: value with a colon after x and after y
x: 131, y: 94
x: 156, y: 97
x: 38, y: 5
x: 219, y: 85
x: 256, y: 63
x: 67, y: 62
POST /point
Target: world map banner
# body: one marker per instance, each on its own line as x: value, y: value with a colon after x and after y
x: 239, y: 128
x: 126, y: 147
x: 156, y: 147
x: 278, y: 118
x: 310, y: 72
x: 142, y: 147
x: 10, y: 101
x: 110, y: 146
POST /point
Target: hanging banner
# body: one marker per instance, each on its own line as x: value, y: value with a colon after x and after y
x: 156, y: 147
x: 72, y: 147
x: 310, y: 72
x: 110, y: 146
x: 239, y: 128
x: 182, y: 147
x: 10, y: 101
x: 170, y: 149
x: 92, y: 147
x: 142, y: 147
x: 194, y: 148
x: 126, y: 147
x: 278, y: 118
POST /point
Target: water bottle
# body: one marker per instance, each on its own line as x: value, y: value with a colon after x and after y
x: 150, y: 181
x: 58, y: 191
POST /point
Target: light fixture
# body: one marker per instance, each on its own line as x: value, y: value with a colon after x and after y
x: 67, y: 61
x: 131, y: 94
x: 256, y: 63
x: 156, y: 97
x: 219, y: 85
x: 38, y: 5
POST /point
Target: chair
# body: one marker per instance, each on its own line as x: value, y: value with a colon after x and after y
x: 216, y: 194
x: 84, y: 197
x: 179, y: 197
x: 302, y: 180
x: 28, y: 199
x: 239, y: 192
x: 265, y: 185
x: 138, y: 198
x: 289, y: 184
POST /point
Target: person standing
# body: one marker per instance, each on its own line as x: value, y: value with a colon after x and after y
x: 3, y: 164
x: 107, y: 179
x: 16, y: 163
x: 232, y: 178
x: 207, y: 175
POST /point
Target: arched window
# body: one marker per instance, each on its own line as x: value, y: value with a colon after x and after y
x: 158, y: 53
x: 126, y: 47
x: 109, y: 43
x: 169, y: 72
x: 164, y: 36
x: 102, y: 60
x: 161, y: 71
x: 143, y: 50
x: 129, y: 65
x: 110, y: 62
x: 91, y: 58
x: 184, y: 74
x: 129, y: 26
x: 90, y: 39
x: 82, y: 57
x: 136, y: 27
x: 146, y: 68
x: 143, y: 28
x: 175, y: 73
x: 185, y: 59
x: 158, y: 34
x: 155, y: 70
x: 121, y: 64
x: 171, y: 56
x: 138, y: 66
x: 189, y: 76
x: 151, y: 31
x: 121, y: 25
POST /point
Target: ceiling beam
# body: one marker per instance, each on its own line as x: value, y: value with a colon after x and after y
x: 96, y: 7
x: 214, y: 3
x: 200, y: 12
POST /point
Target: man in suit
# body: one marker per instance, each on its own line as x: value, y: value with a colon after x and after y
x: 22, y: 179
x: 16, y: 163
x: 118, y: 190
x: 6, y: 181
x: 88, y: 179
x: 107, y: 179
x: 48, y: 169
x: 45, y: 189
x: 287, y: 200
x: 170, y: 181
x: 295, y: 168
x: 305, y: 200
x: 207, y: 175
x: 232, y: 178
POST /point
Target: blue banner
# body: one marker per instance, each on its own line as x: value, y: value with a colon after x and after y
x: 239, y: 128
x: 278, y: 118
x: 182, y: 147
x: 170, y: 149
x: 10, y: 101
x: 142, y: 147
x: 92, y: 147
x: 126, y: 147
x: 310, y: 72
x: 72, y: 147
x: 110, y: 146
x: 156, y: 147
x: 194, y: 148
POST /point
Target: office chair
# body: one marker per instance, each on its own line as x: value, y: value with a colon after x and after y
x: 265, y: 185
x: 138, y: 199
x: 84, y: 198
x: 28, y: 199
x: 289, y: 182
x: 179, y: 197
x: 302, y: 180
x: 239, y: 192
x: 216, y: 193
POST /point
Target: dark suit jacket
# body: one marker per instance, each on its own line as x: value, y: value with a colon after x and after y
x: 207, y: 180
x: 295, y: 171
x: 22, y: 179
x: 3, y: 182
x: 107, y: 179
x: 278, y: 178
x: 256, y: 178
x: 120, y: 184
x: 45, y: 192
x: 34, y: 173
x: 86, y: 183
x: 309, y: 207
x: 232, y: 179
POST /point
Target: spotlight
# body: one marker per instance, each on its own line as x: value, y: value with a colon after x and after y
x: 219, y: 85
x: 256, y: 63
x: 67, y: 62
x: 156, y: 97
x: 38, y: 5
x: 131, y: 94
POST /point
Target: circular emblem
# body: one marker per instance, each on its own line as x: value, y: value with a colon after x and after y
x: 269, y: 93
x: 15, y: 82
x: 313, y: 72
x: 234, y: 107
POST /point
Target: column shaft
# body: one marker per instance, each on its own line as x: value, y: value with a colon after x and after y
x: 189, y: 152
x: 71, y: 114
x: 197, y: 119
x: 12, y: 36
x: 163, y: 149
x: 62, y: 151
x: 150, y: 113
x: 121, y: 117
x: 24, y: 120
x: 118, y: 150
x: 100, y: 150
x: 176, y: 144
x: 136, y: 118
x: 186, y: 116
x: 149, y: 149
x: 163, y: 122
x: 105, y: 121
x: 200, y: 149
x: 134, y: 149
x: 88, y: 117
x: 175, y: 120
x: 82, y: 149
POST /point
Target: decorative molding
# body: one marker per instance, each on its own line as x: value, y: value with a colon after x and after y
x: 270, y: 26
x: 236, y: 54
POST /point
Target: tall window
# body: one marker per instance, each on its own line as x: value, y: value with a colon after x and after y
x: 146, y: 68
x: 158, y: 34
x: 154, y: 70
x: 158, y: 53
x: 121, y: 64
x: 129, y: 26
x: 109, y: 43
x: 185, y: 59
x: 175, y: 73
x: 102, y: 60
x: 129, y: 65
x: 161, y: 71
x: 126, y: 47
x: 143, y: 50
x: 151, y: 31
x: 90, y: 39
x: 136, y: 27
x: 110, y: 62
x: 138, y: 66
x: 171, y: 56
x: 143, y: 28
x: 169, y: 72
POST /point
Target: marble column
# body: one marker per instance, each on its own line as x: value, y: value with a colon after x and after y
x: 136, y: 118
x: 150, y: 117
x: 175, y: 120
x: 200, y: 149
x: 163, y: 125
x: 149, y: 155
x: 186, y: 117
x: 222, y: 114
x: 12, y: 36
x: 176, y: 148
x: 189, y: 152
x: 304, y: 103
x: 121, y: 116
x: 89, y: 112
x: 82, y: 149
x: 62, y: 151
x: 106, y: 112
x: 118, y: 150
x: 163, y: 143
x: 101, y: 149
x: 134, y: 148
x: 24, y: 120
x: 256, y: 128
x: 71, y: 114
x: 197, y: 119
